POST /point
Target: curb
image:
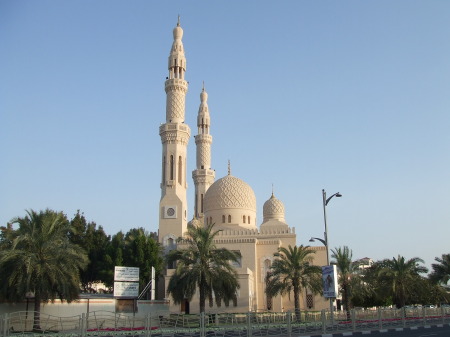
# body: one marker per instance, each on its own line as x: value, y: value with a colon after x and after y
x: 369, y: 332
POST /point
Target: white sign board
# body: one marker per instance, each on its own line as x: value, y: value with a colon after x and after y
x: 126, y: 274
x: 329, y: 280
x: 126, y: 289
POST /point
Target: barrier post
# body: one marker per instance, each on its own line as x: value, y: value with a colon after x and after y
x: 289, y: 324
x: 323, y: 317
x: 249, y: 325
x: 4, y: 321
x: 353, y: 316
x: 380, y: 318
x: 83, y: 324
x: 202, y: 324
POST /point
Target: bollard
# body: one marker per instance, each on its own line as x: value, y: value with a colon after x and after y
x: 323, y: 317
x: 380, y: 318
x: 424, y: 316
x: 249, y: 325
x: 353, y: 316
x: 403, y: 317
x: 83, y: 325
x: 148, y: 325
x: 289, y: 325
x: 4, y: 321
x: 442, y: 314
x: 202, y: 324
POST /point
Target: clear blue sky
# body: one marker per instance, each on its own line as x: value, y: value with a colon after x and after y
x: 350, y: 96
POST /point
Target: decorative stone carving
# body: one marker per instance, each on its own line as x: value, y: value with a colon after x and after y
x: 230, y: 192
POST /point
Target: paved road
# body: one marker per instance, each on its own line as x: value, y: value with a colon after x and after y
x: 441, y: 330
x: 427, y: 331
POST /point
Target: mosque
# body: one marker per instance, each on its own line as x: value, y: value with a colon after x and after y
x: 228, y: 202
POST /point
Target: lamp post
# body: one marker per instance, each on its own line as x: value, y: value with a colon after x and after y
x: 325, y: 242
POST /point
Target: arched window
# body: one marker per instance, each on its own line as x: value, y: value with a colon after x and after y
x: 164, y: 171
x: 229, y: 219
x: 223, y: 218
x: 244, y: 218
x: 249, y: 219
x: 171, y: 167
x: 180, y: 170
x: 171, y: 246
x: 201, y: 203
x: 196, y: 205
x: 210, y: 220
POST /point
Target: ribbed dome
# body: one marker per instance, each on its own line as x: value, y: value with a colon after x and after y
x: 194, y: 222
x: 230, y: 192
x: 273, y: 209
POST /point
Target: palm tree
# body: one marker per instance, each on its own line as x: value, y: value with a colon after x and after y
x: 293, y: 271
x: 441, y: 270
x: 346, y: 269
x: 400, y: 276
x: 203, y: 266
x: 40, y: 259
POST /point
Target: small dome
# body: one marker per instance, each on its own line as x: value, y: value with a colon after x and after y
x: 230, y: 192
x: 194, y: 222
x: 273, y: 209
x: 203, y: 95
x: 178, y: 31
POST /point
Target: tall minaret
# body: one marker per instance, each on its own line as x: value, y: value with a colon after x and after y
x: 203, y: 176
x: 174, y: 137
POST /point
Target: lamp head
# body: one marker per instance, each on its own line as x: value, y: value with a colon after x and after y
x: 338, y: 195
x: 311, y: 240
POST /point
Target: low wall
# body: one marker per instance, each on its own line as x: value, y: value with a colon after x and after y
x: 85, y: 305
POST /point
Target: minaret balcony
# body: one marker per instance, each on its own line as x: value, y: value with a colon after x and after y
x: 203, y: 138
x: 175, y: 84
x: 174, y: 133
x: 174, y: 127
x: 203, y: 172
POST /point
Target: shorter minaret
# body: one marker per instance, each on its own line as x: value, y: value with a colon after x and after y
x: 203, y: 176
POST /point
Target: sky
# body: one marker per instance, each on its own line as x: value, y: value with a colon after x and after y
x: 346, y: 96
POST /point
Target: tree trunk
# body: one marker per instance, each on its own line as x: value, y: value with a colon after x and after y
x: 346, y: 301
x: 202, y: 295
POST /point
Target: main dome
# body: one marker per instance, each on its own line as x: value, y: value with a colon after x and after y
x: 230, y: 192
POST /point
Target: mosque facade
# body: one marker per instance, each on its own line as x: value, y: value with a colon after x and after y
x: 228, y: 202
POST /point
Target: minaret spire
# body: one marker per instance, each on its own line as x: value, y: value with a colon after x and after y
x: 174, y: 138
x: 203, y: 175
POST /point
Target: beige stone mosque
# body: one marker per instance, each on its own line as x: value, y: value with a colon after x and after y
x: 227, y: 202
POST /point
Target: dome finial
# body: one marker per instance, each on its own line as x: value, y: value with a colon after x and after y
x: 272, y: 190
x: 229, y: 167
x: 178, y: 23
x: 203, y: 85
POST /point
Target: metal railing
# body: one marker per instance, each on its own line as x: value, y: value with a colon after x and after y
x: 105, y: 323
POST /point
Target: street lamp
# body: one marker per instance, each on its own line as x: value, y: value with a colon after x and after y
x: 325, y: 239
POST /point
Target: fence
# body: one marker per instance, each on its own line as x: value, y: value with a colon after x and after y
x: 104, y: 323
